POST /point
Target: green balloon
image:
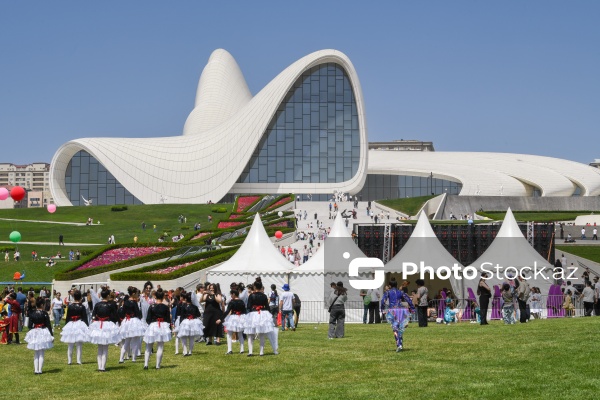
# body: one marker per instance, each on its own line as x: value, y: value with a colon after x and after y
x: 15, y: 236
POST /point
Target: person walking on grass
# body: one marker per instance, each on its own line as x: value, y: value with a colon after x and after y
x: 286, y: 305
x: 159, y: 328
x: 397, y: 314
x: 40, y: 336
x: 75, y: 332
x: 337, y: 311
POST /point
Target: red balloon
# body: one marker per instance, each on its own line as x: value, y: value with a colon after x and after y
x: 278, y: 234
x: 17, y: 193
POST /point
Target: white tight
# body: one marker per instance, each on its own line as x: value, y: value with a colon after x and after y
x: 240, y: 338
x: 160, y: 346
x: 102, y: 356
x: 129, y: 347
x: 38, y: 361
x: 188, y: 344
x: 70, y: 352
x: 261, y: 337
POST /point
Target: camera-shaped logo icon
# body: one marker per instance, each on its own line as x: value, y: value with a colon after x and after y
x: 369, y: 265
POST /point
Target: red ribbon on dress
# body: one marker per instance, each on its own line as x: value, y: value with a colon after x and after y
x: 237, y: 312
x: 128, y: 316
x: 102, y: 319
x: 258, y: 308
x: 75, y: 318
x: 39, y: 326
x: 190, y: 317
x: 159, y: 320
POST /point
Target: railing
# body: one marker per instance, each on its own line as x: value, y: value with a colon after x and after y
x: 550, y: 307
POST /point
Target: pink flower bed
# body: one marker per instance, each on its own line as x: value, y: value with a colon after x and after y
x: 168, y: 270
x: 122, y: 254
x: 280, y: 202
x: 236, y: 216
x: 198, y: 236
x: 279, y: 224
x: 245, y: 201
x: 225, y: 225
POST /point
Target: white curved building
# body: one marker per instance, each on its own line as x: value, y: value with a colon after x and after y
x: 305, y: 132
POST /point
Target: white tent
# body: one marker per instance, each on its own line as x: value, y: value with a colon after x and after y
x: 256, y: 257
x: 308, y: 279
x: 509, y: 252
x: 424, y: 249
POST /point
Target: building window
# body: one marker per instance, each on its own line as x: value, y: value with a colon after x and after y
x: 314, y: 135
x: 381, y: 187
x: 85, y: 176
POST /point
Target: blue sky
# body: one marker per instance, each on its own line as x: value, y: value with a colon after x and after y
x: 508, y: 76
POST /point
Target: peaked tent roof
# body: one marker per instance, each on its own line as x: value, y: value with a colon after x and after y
x: 511, y: 249
x: 424, y: 246
x: 256, y: 255
x: 316, y: 264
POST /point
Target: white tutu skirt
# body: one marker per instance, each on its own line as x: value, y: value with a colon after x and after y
x: 154, y: 333
x: 234, y: 323
x: 131, y: 328
x: 190, y: 327
x: 258, y: 322
x: 75, y: 331
x: 39, y: 339
x: 108, y: 334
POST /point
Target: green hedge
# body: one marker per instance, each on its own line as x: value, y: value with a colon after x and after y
x: 8, y: 248
x: 219, y: 210
x: 143, y: 275
x: 119, y: 208
x: 270, y: 232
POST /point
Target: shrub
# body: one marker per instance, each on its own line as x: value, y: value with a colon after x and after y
x: 219, y: 210
x: 118, y: 208
x: 184, y: 228
x: 8, y: 248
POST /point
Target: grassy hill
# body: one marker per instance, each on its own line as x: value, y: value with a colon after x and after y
x: 409, y: 205
x: 124, y: 225
x: 537, y: 216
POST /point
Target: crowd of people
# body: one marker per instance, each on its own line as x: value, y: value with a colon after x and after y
x: 151, y: 316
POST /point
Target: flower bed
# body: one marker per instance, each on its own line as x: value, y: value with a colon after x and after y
x: 236, y: 216
x: 282, y: 224
x: 280, y: 202
x: 244, y: 202
x: 168, y: 270
x: 201, y: 234
x: 121, y: 254
x: 225, y: 225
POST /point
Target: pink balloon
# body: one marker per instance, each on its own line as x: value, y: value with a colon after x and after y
x: 51, y: 208
x: 3, y: 193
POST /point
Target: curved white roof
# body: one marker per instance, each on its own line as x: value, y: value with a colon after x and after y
x: 492, y: 174
x: 206, y: 161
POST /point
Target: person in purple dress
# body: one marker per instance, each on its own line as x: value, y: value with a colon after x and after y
x: 397, y: 313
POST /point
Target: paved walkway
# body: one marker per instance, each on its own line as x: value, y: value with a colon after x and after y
x: 53, y: 243
x: 45, y: 222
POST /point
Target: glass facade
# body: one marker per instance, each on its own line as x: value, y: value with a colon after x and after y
x: 86, y: 177
x: 381, y: 187
x: 314, y: 136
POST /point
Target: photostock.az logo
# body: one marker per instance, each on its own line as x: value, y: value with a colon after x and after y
x: 374, y: 264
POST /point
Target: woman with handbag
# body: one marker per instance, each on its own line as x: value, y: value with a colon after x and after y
x: 337, y: 311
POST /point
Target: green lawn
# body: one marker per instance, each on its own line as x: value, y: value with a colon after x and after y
x: 589, y: 252
x: 410, y: 205
x: 124, y: 225
x: 540, y: 216
x: 542, y: 359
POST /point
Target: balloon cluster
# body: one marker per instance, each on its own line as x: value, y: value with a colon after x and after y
x: 17, y: 193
